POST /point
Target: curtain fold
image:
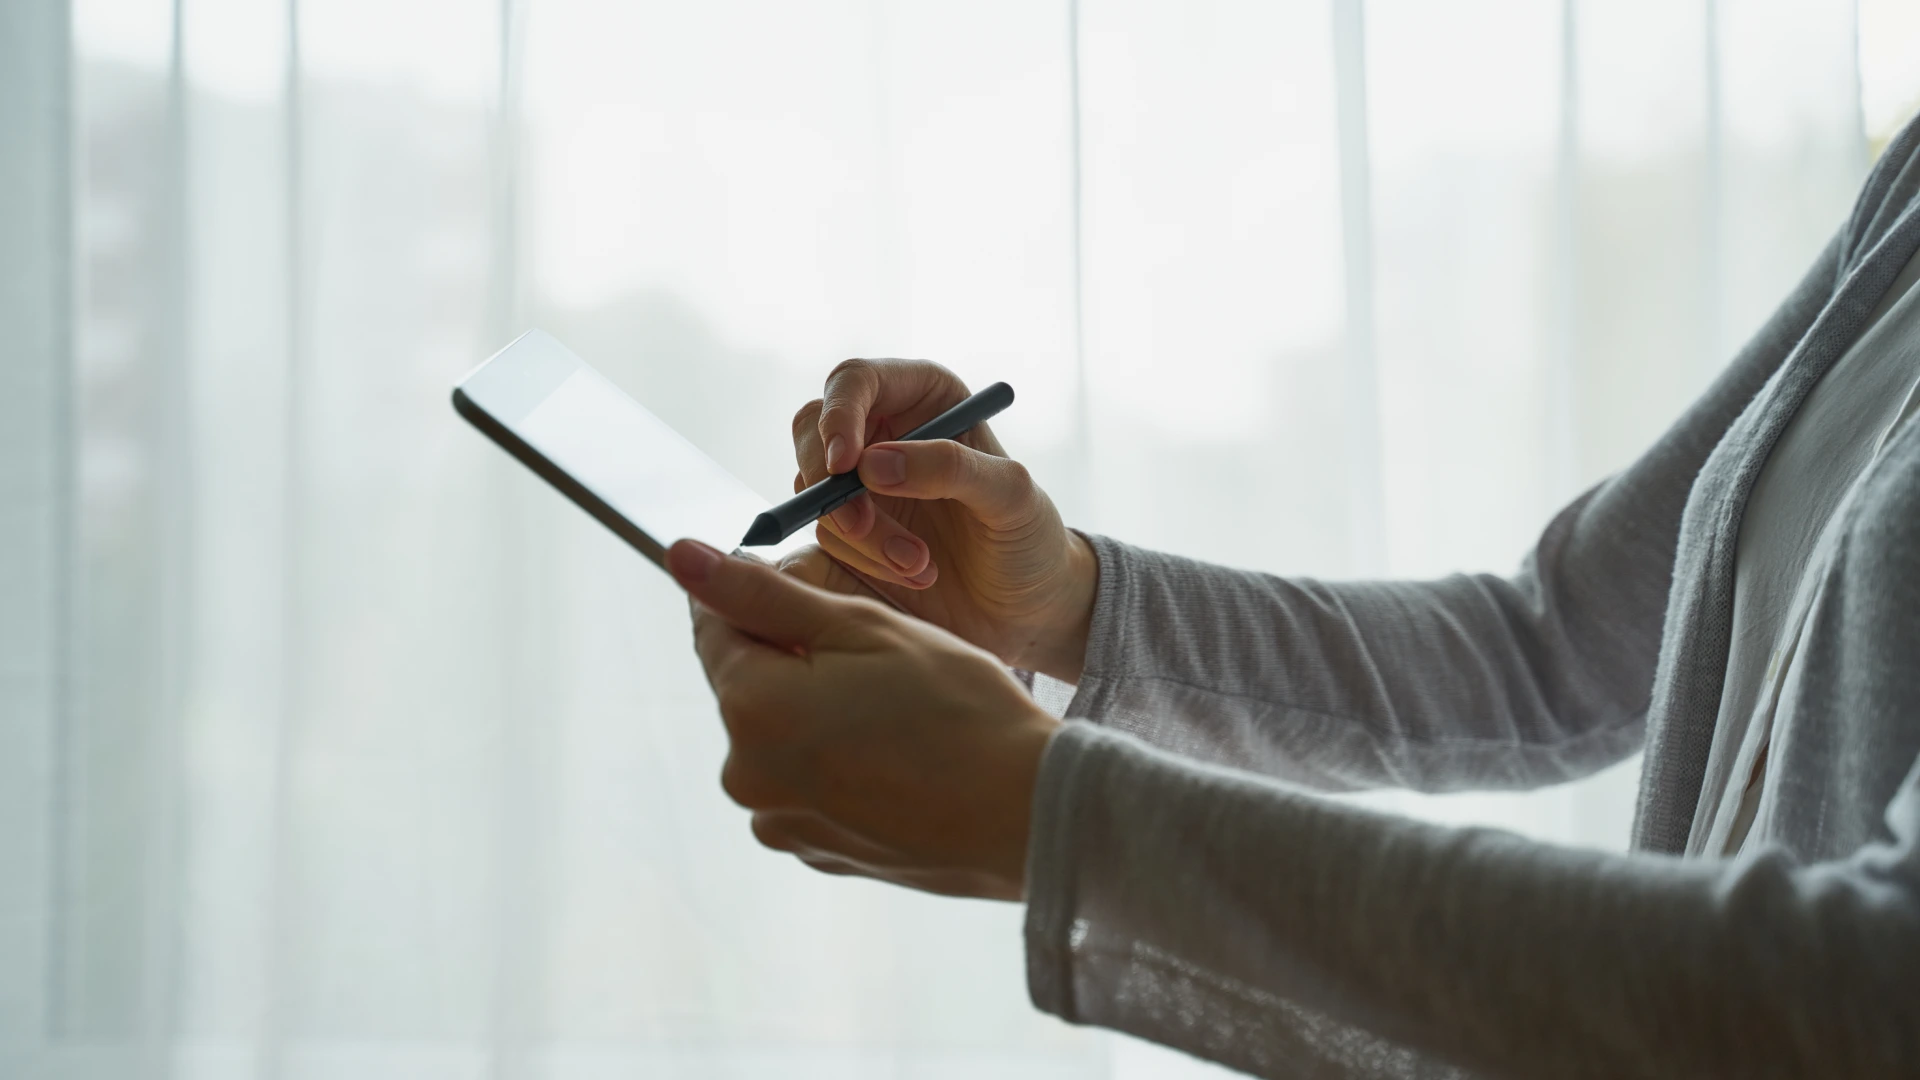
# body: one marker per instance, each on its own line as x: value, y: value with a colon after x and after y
x: 333, y: 744
x: 36, y: 515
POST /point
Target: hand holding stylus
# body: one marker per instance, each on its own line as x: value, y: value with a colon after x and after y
x: 952, y: 531
x: 812, y: 503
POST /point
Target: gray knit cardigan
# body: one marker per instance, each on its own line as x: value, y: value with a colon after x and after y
x: 1184, y: 886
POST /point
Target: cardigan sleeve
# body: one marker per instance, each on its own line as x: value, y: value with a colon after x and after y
x: 1282, y: 934
x: 1470, y: 681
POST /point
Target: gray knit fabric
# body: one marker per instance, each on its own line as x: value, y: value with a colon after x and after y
x: 1233, y: 915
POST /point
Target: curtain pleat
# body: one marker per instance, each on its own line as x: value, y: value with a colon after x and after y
x: 36, y: 512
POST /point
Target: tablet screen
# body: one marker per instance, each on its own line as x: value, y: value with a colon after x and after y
x: 629, y: 458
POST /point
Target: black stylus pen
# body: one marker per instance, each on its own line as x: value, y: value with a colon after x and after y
x: 826, y: 496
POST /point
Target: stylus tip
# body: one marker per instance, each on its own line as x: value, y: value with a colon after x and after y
x: 765, y: 530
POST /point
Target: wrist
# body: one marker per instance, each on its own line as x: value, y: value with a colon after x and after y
x: 1060, y: 649
x: 1022, y: 777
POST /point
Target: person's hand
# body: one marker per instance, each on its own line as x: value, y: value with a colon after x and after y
x: 823, y: 571
x: 951, y: 531
x: 863, y: 740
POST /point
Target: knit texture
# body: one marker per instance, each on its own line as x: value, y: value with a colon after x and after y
x: 1186, y: 887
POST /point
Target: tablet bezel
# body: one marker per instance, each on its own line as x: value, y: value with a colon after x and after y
x: 514, y: 392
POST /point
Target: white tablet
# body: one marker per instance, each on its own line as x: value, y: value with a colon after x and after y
x: 603, y: 450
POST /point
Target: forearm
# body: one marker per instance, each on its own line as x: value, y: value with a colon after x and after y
x: 1469, y: 681
x: 1266, y: 928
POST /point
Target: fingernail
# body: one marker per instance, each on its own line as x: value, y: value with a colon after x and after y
x: 834, y: 446
x: 887, y: 467
x: 848, y: 514
x: 694, y: 561
x: 902, y: 552
x: 925, y: 577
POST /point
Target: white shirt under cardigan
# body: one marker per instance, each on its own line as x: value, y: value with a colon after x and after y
x: 1182, y: 885
x: 1788, y: 534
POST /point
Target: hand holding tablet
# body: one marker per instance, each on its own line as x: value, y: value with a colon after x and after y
x: 1001, y: 569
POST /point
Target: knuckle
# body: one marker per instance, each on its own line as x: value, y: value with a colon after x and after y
x: 768, y: 830
x: 940, y: 376
x: 809, y: 564
x: 869, y: 614
x: 947, y: 374
x: 742, y: 783
x: 952, y: 462
x: 851, y: 384
x: 806, y: 417
x: 1016, y: 476
x: 850, y: 370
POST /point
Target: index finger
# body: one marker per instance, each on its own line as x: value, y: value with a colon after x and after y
x: 905, y: 392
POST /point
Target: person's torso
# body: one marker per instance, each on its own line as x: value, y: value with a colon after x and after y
x: 1788, y: 532
x: 1839, y: 729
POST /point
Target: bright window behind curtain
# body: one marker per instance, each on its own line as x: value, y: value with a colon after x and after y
x: 356, y: 752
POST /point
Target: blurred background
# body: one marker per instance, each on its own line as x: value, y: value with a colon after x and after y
x: 332, y: 744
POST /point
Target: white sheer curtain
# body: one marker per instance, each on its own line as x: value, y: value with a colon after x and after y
x: 336, y: 746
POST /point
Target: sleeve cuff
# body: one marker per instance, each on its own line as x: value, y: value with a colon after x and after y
x: 1051, y: 871
x: 1108, y: 628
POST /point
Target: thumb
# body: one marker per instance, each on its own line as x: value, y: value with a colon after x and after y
x: 998, y: 490
x: 753, y: 597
